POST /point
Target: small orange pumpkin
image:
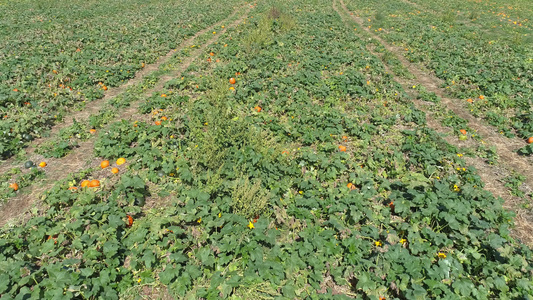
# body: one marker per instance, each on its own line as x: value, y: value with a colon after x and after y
x: 463, y: 131
x: 114, y: 170
x: 121, y: 161
x: 232, y: 80
x: 258, y: 108
x: 14, y: 186
x: 104, y: 164
x: 94, y: 183
x: 530, y: 140
x: 130, y: 221
x: 42, y: 164
x: 85, y: 183
x: 342, y: 148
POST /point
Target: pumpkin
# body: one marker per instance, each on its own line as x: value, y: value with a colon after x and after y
x: 342, y: 148
x: 121, y: 161
x: 85, y: 183
x: 94, y: 183
x: 164, y: 118
x: 530, y: 140
x: 232, y: 80
x: 114, y: 171
x: 157, y: 123
x: 130, y: 221
x: 92, y: 131
x: 42, y: 164
x: 463, y: 131
x: 14, y: 186
x: 104, y: 164
x: 351, y: 186
x: 258, y: 108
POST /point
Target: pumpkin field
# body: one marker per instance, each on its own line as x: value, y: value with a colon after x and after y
x: 301, y: 149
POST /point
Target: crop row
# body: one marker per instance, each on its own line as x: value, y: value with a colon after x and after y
x: 55, y: 57
x: 478, y: 64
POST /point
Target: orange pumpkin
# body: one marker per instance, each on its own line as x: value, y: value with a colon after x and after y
x: 530, y: 140
x: 157, y: 123
x: 42, y: 164
x: 121, y: 161
x: 232, y: 80
x: 104, y: 164
x: 258, y: 108
x: 463, y: 131
x: 85, y: 183
x: 94, y: 183
x: 114, y: 170
x: 14, y: 186
x: 130, y: 221
x: 342, y: 148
